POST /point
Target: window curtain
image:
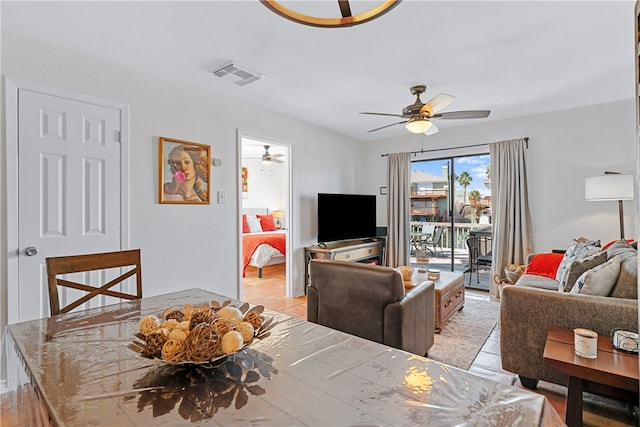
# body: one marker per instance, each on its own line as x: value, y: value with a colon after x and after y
x: 398, y: 208
x: 512, y: 235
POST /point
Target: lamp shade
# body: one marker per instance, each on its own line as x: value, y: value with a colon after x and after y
x: 609, y: 187
x: 278, y: 214
x: 418, y: 125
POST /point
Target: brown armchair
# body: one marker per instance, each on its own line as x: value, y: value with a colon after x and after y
x: 369, y: 301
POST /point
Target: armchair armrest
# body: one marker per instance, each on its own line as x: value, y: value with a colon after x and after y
x: 409, y: 322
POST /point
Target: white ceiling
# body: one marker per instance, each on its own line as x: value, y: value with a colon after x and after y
x: 512, y: 57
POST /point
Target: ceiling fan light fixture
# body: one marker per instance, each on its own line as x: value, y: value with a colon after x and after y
x: 418, y: 125
x: 266, y: 162
x: 348, y: 19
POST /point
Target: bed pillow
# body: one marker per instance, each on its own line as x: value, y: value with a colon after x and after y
x: 580, y: 248
x: 254, y: 224
x: 577, y: 268
x: 544, y: 265
x: 245, y: 224
x: 266, y: 222
x: 599, y: 280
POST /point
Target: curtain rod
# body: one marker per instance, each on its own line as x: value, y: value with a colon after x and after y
x: 526, y: 141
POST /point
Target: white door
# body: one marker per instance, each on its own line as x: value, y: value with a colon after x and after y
x: 69, y: 190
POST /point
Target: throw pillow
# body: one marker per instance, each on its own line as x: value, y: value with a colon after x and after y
x: 245, y: 224
x: 544, y: 265
x: 599, y: 280
x: 577, y: 268
x: 620, y: 247
x: 267, y: 223
x: 605, y: 247
x: 627, y: 284
x: 254, y: 224
x: 580, y: 248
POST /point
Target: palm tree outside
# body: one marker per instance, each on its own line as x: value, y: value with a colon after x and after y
x: 464, y: 179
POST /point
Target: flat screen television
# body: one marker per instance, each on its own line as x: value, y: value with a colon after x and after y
x: 346, y: 216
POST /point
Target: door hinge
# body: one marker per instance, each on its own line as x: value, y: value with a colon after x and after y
x: 117, y: 136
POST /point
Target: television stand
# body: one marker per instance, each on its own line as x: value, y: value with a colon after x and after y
x: 369, y: 250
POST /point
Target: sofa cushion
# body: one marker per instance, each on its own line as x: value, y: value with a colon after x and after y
x: 627, y: 284
x: 535, y: 281
x: 577, y: 267
x: 544, y: 265
x: 599, y: 280
x: 580, y: 248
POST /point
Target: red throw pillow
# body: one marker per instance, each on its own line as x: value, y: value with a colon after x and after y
x: 544, y: 265
x: 266, y: 222
x: 245, y: 224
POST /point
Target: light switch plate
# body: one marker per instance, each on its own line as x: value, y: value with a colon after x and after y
x: 222, y: 197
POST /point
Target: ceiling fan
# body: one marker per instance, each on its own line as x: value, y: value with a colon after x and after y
x: 419, y: 114
x: 268, y: 158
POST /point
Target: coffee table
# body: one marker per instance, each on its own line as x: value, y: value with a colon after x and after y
x: 613, y: 372
x: 449, y: 294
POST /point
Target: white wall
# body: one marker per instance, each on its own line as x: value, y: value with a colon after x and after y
x: 267, y: 185
x: 189, y: 246
x: 565, y: 147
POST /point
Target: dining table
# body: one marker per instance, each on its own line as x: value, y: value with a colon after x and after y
x: 83, y: 369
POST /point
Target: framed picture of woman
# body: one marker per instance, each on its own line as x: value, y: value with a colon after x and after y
x: 184, y: 172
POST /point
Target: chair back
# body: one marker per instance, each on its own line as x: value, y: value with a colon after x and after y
x: 57, y: 266
x: 351, y: 297
x: 473, y: 244
x: 438, y: 237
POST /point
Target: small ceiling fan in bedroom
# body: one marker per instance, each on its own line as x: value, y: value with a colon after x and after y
x: 418, y: 115
x: 268, y: 158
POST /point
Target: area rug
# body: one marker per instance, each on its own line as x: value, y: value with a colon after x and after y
x: 464, y: 334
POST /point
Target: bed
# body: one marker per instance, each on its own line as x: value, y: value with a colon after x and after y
x: 262, y: 248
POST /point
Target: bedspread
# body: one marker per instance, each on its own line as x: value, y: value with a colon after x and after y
x: 250, y: 241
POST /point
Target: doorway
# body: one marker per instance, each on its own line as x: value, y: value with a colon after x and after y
x: 265, y: 206
x: 450, y: 202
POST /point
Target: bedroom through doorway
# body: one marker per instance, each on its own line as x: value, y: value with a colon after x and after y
x: 265, y: 198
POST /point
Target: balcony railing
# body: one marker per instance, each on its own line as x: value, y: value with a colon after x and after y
x: 429, y: 193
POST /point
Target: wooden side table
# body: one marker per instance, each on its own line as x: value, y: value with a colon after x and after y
x: 613, y: 373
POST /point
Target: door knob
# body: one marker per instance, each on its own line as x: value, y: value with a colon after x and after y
x: 31, y: 251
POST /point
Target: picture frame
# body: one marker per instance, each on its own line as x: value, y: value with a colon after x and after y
x: 184, y: 172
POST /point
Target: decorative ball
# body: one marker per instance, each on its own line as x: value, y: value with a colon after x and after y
x: 202, y: 316
x: 169, y: 324
x: 174, y: 314
x: 222, y: 326
x: 173, y: 351
x: 178, y: 335
x: 229, y: 312
x: 247, y: 331
x: 254, y: 318
x: 148, y: 325
x: 202, y: 344
x: 154, y: 342
x: 231, y: 342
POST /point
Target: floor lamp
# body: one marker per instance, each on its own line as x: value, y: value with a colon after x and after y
x: 610, y: 187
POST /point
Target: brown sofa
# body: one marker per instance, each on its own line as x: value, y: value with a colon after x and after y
x: 534, y: 304
x: 369, y: 301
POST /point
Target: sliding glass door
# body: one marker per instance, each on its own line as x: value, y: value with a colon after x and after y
x: 450, y: 200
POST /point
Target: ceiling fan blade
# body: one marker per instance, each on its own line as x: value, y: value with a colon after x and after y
x: 433, y: 129
x: 392, y: 124
x: 437, y: 103
x: 385, y: 114
x: 277, y: 155
x: 275, y: 160
x: 469, y: 114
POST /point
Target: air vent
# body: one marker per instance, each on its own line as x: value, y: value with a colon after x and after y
x: 237, y: 74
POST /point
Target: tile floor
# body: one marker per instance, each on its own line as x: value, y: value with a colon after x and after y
x: 598, y: 411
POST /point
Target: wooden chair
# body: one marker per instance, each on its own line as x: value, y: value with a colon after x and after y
x: 475, y: 259
x: 90, y: 262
